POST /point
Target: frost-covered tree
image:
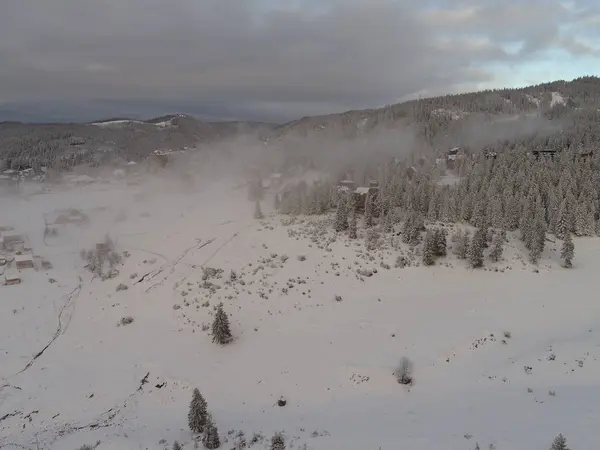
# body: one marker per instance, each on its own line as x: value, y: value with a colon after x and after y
x: 220, y: 326
x: 257, y: 211
x: 475, y: 254
x: 176, y: 446
x: 428, y: 253
x: 559, y: 443
x: 341, y: 216
x: 497, y: 247
x: 211, y: 438
x: 567, y: 251
x: 440, y: 238
x: 198, y: 413
x: 563, y: 221
x: 462, y: 244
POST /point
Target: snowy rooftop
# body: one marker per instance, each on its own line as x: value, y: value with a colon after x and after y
x: 24, y: 257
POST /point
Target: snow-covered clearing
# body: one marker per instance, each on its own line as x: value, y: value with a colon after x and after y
x: 333, y: 361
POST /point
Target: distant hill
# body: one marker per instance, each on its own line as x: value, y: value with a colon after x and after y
x: 438, y: 121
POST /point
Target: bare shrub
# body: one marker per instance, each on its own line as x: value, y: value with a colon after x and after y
x: 102, y: 257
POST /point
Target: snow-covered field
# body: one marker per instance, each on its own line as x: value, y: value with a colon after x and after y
x: 507, y: 358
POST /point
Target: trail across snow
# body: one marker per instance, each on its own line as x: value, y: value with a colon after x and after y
x: 508, y: 358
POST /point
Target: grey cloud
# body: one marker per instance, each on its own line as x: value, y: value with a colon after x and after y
x: 242, y: 57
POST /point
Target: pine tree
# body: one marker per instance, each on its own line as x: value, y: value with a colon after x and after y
x: 563, y: 221
x: 341, y: 216
x: 176, y: 446
x: 197, y: 414
x: 277, y: 442
x: 211, y: 438
x: 567, y: 252
x: 257, y: 211
x: 220, y: 327
x: 497, y: 247
x: 559, y: 443
x: 440, y: 237
x: 462, y: 245
x: 475, y: 254
x: 429, y: 249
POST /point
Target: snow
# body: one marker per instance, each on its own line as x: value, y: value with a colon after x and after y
x: 557, y: 99
x: 117, y: 123
x: 331, y: 360
x: 24, y: 257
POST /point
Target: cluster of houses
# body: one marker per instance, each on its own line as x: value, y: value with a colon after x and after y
x: 14, y: 256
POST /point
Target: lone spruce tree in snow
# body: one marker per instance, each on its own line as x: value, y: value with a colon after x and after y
x: 211, y: 438
x: 559, y: 443
x: 429, y: 249
x: 257, y: 211
x: 220, y: 327
x: 567, y: 252
x: 197, y: 414
x: 277, y: 442
x: 475, y: 254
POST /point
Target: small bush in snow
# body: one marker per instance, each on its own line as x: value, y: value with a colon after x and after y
x: 89, y: 447
x: 404, y: 372
x: 176, y: 446
x: 126, y: 320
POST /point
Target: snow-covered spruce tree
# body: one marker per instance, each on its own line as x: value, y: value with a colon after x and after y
x: 197, y: 413
x: 497, y: 247
x: 211, y: 438
x: 563, y: 220
x: 278, y: 442
x: 341, y: 216
x: 463, y: 243
x: 567, y: 251
x: 475, y: 254
x: 559, y: 443
x: 440, y: 237
x: 176, y: 446
x: 428, y: 253
x: 257, y: 211
x: 220, y: 327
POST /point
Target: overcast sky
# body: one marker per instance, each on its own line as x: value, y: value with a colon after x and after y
x: 278, y: 59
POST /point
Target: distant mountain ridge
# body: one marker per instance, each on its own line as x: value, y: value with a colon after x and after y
x: 438, y: 121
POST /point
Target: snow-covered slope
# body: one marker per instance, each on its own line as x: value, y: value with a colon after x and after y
x: 506, y: 357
